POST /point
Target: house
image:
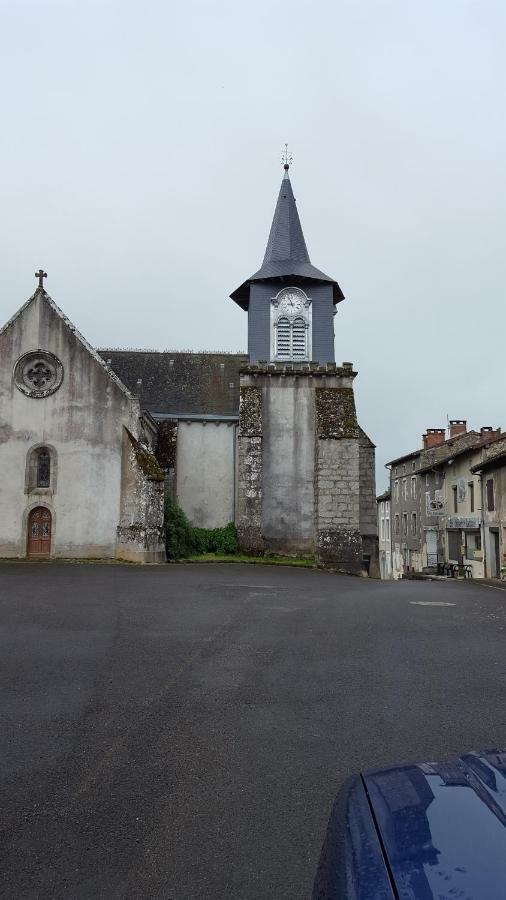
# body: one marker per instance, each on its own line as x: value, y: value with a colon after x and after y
x: 491, y: 472
x: 384, y: 542
x: 434, y: 501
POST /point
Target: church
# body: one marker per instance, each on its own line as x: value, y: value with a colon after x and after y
x: 92, y: 440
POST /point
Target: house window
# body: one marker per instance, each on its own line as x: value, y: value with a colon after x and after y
x: 471, y: 495
x: 382, y: 529
x: 413, y: 486
x: 427, y: 480
x: 405, y: 488
x: 404, y: 524
x: 397, y: 524
x: 413, y: 523
x: 455, y: 499
x: 43, y: 468
x: 490, y: 495
x: 396, y: 491
x: 291, y: 326
x: 387, y: 529
x: 413, y: 464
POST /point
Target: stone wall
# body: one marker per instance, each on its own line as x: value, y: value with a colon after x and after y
x: 250, y: 460
x: 306, y: 470
x: 339, y: 543
x: 140, y: 536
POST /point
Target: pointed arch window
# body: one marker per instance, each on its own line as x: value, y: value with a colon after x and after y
x: 291, y: 326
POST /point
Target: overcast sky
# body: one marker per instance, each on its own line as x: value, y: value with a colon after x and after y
x: 140, y: 165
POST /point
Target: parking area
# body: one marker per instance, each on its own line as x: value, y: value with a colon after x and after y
x: 180, y: 731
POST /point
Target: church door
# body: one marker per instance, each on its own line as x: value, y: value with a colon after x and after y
x: 39, y: 532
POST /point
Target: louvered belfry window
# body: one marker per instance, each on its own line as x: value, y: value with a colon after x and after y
x: 291, y: 326
x: 283, y: 339
x: 299, y: 348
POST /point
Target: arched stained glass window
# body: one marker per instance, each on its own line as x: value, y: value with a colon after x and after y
x: 43, y: 468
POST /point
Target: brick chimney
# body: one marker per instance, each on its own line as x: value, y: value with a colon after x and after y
x: 457, y: 426
x: 433, y: 438
x: 488, y: 433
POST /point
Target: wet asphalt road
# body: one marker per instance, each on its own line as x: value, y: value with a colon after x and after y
x: 180, y: 732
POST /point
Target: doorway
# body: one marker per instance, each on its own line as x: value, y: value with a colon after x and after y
x: 495, y: 559
x: 39, y: 532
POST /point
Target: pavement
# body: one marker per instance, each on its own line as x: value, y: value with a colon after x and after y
x: 180, y: 732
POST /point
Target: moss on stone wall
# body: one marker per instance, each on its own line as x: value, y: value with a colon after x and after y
x: 250, y: 412
x: 336, y: 416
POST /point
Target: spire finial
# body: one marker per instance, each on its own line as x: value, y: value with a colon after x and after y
x: 286, y: 159
x: 41, y: 275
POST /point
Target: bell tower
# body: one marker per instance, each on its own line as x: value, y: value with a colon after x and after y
x: 290, y: 303
x: 305, y: 481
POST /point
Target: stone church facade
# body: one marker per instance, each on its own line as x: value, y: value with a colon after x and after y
x: 90, y: 440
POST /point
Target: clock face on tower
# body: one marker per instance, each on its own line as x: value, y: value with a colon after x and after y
x: 291, y: 303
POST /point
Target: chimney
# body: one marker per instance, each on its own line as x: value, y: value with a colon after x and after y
x: 488, y: 433
x: 457, y: 426
x: 433, y: 438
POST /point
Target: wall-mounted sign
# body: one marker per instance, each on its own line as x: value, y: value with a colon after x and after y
x: 463, y: 522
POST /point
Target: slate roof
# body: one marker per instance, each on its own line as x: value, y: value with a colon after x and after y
x: 286, y: 253
x: 180, y: 383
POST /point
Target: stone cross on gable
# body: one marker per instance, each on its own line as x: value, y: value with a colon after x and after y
x: 41, y: 275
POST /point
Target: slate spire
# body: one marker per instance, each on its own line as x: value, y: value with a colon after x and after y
x: 286, y: 255
x: 286, y: 240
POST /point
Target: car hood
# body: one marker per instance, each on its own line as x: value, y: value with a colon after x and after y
x: 442, y: 826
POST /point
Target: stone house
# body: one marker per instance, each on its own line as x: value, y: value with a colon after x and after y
x: 491, y: 472
x: 442, y: 498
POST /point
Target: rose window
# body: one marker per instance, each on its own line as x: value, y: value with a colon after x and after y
x: 38, y: 374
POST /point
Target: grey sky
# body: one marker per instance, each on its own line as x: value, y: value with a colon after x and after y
x: 140, y: 164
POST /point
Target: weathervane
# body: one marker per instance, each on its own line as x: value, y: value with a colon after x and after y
x: 41, y: 275
x: 286, y: 158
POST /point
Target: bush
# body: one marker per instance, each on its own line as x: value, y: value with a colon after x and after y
x: 182, y: 539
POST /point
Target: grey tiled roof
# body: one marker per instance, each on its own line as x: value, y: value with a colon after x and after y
x: 286, y: 253
x: 179, y: 383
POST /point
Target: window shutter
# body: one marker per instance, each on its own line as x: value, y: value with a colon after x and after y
x: 283, y: 350
x: 299, y: 339
x: 490, y: 495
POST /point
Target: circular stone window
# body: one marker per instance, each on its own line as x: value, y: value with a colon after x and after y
x: 38, y: 373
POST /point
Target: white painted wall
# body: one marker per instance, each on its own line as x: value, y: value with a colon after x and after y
x: 205, y: 472
x: 83, y: 421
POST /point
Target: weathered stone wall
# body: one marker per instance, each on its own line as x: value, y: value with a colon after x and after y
x: 140, y: 536
x: 205, y: 472
x: 339, y: 543
x: 300, y: 466
x: 249, y: 478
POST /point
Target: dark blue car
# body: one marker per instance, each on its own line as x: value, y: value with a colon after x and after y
x: 435, y: 831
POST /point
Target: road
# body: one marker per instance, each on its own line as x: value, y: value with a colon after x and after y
x: 180, y: 732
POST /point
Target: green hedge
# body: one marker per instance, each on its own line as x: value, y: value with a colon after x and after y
x: 182, y: 539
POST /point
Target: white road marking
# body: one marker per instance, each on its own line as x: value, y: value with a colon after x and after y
x: 430, y: 603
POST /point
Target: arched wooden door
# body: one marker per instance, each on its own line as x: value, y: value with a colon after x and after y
x: 39, y: 532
